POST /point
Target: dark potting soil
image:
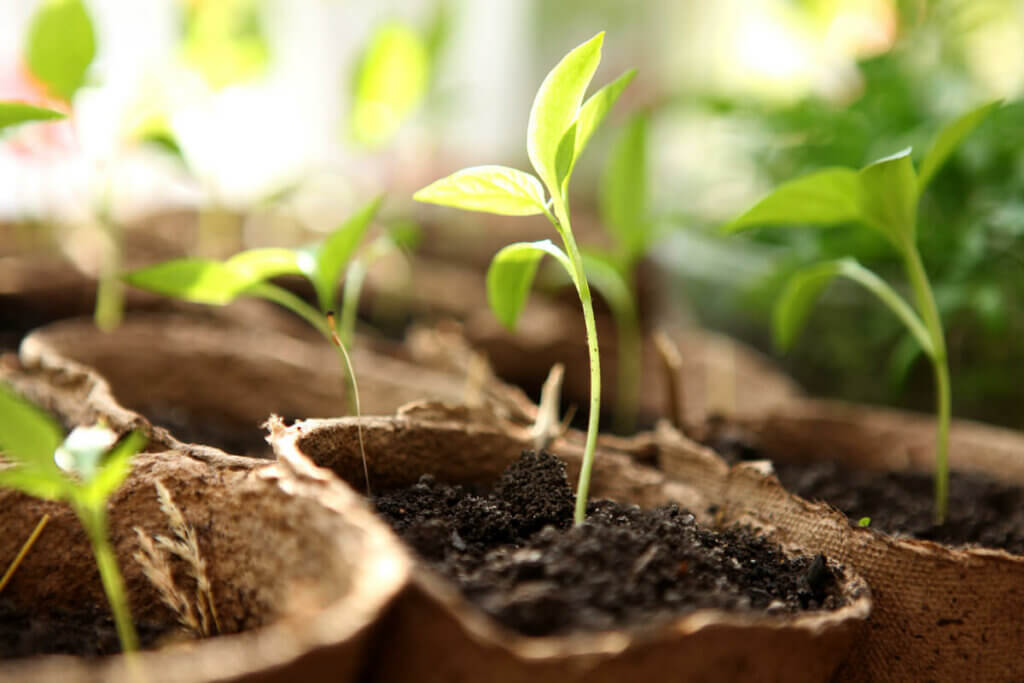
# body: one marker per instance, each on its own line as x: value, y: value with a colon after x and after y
x: 982, y: 510
x: 516, y: 554
x: 85, y: 633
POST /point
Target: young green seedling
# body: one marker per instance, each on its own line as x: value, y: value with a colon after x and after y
x: 883, y: 197
x: 248, y: 273
x: 84, y: 469
x: 560, y: 126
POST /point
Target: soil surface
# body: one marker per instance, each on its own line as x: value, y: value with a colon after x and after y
x: 982, y: 510
x: 515, y: 553
x: 86, y: 633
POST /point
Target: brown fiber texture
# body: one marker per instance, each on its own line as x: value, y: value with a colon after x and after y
x: 940, y: 613
x: 433, y: 634
x: 299, y: 568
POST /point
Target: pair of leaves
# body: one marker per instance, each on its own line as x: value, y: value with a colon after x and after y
x: 882, y: 196
x: 85, y: 468
x: 559, y: 128
x: 61, y: 46
x: 221, y: 282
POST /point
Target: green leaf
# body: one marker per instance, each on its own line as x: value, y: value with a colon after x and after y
x: 13, y: 113
x: 114, y: 470
x: 48, y: 484
x: 493, y: 189
x: 334, y: 254
x: 511, y: 274
x: 828, y: 197
x: 604, y: 274
x: 390, y: 84
x: 804, y: 288
x: 949, y: 138
x: 556, y: 106
x: 29, y: 435
x: 262, y: 264
x: 624, y: 190
x: 198, y: 280
x: 889, y: 196
x: 565, y: 158
x: 61, y: 45
x: 226, y: 41
x: 594, y: 110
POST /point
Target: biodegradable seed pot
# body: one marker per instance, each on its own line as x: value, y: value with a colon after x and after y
x: 436, y: 633
x: 943, y: 611
x: 298, y: 571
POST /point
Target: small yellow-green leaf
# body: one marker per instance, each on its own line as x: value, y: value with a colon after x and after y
x: 949, y: 138
x: 226, y: 41
x: 556, y: 106
x: 511, y: 274
x: 623, y: 200
x: 262, y: 264
x: 889, y: 197
x: 390, y: 84
x: 198, y: 280
x: 13, y: 113
x: 333, y: 256
x: 61, y: 46
x: 492, y: 189
x: 797, y: 299
x: 828, y: 197
x: 565, y: 158
x: 28, y: 434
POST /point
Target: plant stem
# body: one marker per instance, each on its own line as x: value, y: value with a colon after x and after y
x: 94, y: 519
x: 561, y: 223
x: 354, y: 278
x: 630, y: 365
x: 930, y: 314
x: 109, y: 290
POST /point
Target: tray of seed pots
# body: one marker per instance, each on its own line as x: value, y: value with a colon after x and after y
x: 214, y: 380
x: 215, y: 567
x: 506, y: 587
x: 858, y: 484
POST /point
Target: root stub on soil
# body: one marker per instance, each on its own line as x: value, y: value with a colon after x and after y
x: 515, y: 553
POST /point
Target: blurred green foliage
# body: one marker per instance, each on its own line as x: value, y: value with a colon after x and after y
x: 225, y: 40
x: 60, y: 47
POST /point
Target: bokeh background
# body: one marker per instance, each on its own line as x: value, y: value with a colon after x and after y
x: 280, y: 117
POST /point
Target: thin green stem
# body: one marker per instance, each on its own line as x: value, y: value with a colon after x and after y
x: 110, y: 289
x: 94, y: 519
x: 561, y: 223
x: 930, y: 314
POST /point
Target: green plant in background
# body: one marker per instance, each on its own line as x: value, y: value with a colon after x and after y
x: 248, y: 273
x: 560, y: 125
x: 225, y: 41
x: 84, y: 469
x: 883, y: 197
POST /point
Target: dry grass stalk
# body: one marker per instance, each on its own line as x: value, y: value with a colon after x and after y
x: 184, y: 546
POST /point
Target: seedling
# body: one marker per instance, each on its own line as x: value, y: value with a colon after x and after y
x: 560, y: 126
x: 16, y: 113
x: 248, y: 273
x: 84, y: 469
x: 883, y: 197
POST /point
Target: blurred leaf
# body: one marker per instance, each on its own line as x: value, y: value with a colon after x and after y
x: 198, y: 280
x: 13, y: 113
x: 48, y: 484
x: 604, y: 274
x: 804, y: 288
x: 262, y: 264
x: 390, y: 84
x: 951, y: 137
x: 511, y: 274
x: 225, y: 41
x: 890, y: 198
x: 556, y: 106
x: 333, y: 256
x: 28, y: 435
x: 61, y: 45
x: 115, y: 469
x: 493, y: 189
x: 565, y: 158
x: 438, y: 31
x: 406, y: 234
x: 901, y: 361
x: 592, y: 113
x: 828, y: 197
x: 624, y: 189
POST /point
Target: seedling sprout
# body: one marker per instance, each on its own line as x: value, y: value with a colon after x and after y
x: 84, y: 469
x: 883, y: 197
x: 560, y: 125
